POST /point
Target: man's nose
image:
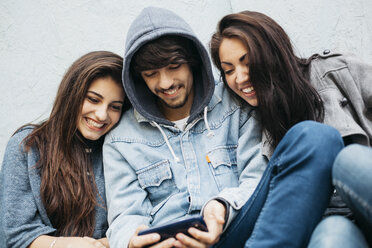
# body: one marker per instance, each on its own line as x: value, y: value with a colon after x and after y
x: 166, y: 80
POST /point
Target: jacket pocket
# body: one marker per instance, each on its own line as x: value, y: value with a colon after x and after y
x: 223, y: 164
x: 158, y: 181
x: 340, y: 114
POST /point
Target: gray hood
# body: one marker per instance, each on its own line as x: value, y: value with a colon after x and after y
x: 151, y: 24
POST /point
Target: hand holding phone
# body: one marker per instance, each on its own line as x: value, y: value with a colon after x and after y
x: 178, y: 226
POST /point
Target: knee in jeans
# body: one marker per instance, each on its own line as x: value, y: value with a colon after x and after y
x: 317, y: 134
x: 335, y: 231
x: 336, y: 224
x: 352, y: 159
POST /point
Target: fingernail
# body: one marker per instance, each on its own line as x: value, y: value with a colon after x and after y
x: 155, y: 236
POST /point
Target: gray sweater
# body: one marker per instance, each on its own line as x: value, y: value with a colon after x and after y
x: 345, y: 85
x: 23, y: 217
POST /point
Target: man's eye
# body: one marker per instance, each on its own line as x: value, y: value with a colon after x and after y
x: 174, y: 66
x: 149, y: 74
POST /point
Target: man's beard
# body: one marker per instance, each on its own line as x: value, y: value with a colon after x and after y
x: 176, y: 106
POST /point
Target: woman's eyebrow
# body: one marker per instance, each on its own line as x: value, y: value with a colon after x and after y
x: 226, y: 63
x: 242, y: 58
x: 100, y: 96
x: 95, y: 93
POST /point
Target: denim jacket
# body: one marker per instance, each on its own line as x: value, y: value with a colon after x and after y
x: 345, y: 85
x: 155, y: 172
x: 23, y: 217
x: 146, y: 184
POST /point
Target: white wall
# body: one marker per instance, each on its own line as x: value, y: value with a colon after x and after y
x: 39, y: 39
x: 315, y: 25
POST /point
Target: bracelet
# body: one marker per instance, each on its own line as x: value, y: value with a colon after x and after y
x: 53, y: 243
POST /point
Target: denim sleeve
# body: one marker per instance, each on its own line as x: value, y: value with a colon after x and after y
x: 362, y: 75
x: 251, y: 165
x: 127, y: 204
x: 20, y: 220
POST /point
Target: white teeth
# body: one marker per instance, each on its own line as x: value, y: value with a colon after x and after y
x: 94, y: 124
x: 248, y: 89
x: 170, y: 92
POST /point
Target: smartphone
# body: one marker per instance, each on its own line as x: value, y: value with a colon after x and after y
x: 170, y: 229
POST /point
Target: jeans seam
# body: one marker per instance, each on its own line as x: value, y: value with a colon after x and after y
x: 252, y: 199
x: 355, y: 196
x: 253, y: 235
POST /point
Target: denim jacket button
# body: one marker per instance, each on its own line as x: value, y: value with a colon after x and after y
x: 343, y: 102
x: 327, y: 51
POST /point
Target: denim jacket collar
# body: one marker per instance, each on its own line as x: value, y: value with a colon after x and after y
x: 215, y: 100
x: 140, y: 118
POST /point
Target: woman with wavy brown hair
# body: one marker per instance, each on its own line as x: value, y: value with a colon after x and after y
x: 52, y: 186
x: 257, y: 62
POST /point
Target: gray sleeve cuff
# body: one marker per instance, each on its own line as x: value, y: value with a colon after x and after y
x: 230, y: 212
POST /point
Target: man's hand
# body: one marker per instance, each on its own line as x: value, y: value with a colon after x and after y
x: 150, y: 240
x: 214, y: 217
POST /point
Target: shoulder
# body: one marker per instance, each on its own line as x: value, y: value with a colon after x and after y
x: 343, y: 68
x: 226, y: 103
x: 226, y: 97
x: 132, y: 128
x: 333, y: 61
x: 326, y: 61
x: 15, y: 141
x: 126, y: 119
x: 23, y: 131
x: 16, y: 160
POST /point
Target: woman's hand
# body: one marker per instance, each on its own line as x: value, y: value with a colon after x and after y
x: 76, y: 242
x: 150, y: 240
x: 105, y: 242
x: 45, y: 241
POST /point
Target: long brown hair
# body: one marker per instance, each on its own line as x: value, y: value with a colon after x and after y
x: 67, y: 192
x: 280, y: 78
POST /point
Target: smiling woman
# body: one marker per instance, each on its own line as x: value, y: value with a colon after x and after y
x: 257, y: 62
x: 101, y: 108
x: 234, y: 63
x: 52, y: 175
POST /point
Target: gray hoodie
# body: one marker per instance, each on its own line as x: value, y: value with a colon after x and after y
x: 151, y: 24
x: 156, y: 172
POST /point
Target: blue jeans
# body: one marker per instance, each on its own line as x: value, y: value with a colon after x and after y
x: 293, y: 193
x: 335, y: 232
x: 352, y: 177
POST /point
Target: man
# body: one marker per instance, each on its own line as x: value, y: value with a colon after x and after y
x: 177, y: 148
x: 188, y: 147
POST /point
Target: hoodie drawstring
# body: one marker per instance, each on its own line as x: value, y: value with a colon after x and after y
x: 166, y: 141
x: 210, y: 132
